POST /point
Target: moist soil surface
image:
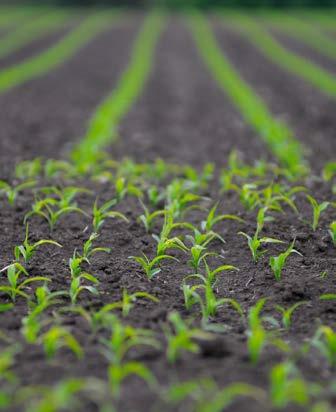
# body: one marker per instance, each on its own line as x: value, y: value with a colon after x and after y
x: 182, y: 117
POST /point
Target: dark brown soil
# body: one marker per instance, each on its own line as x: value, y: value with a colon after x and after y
x: 46, y: 115
x: 182, y: 117
x: 306, y: 110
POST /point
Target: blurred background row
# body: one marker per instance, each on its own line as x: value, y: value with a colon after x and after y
x: 180, y: 4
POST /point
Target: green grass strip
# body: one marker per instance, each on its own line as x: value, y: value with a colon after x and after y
x: 276, y: 134
x: 55, y: 55
x: 303, y: 31
x: 33, y: 29
x: 290, y: 61
x: 103, y: 127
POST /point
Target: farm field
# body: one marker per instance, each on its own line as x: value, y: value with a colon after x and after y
x: 167, y: 211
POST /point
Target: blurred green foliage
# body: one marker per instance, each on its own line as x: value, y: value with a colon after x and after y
x: 180, y: 4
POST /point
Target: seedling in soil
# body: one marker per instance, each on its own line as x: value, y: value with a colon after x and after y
x: 12, y: 192
x: 65, y: 196
x: 287, y: 314
x: 181, y: 337
x: 287, y: 386
x: 27, y: 250
x: 258, y: 336
x: 212, y: 219
x: 211, y: 275
x: 89, y: 250
x: 49, y: 210
x: 15, y: 287
x: 198, y: 254
x: 148, y: 218
x: 180, y: 199
x: 77, y: 276
x: 123, y: 338
x: 28, y: 169
x: 332, y: 232
x: 317, y: 210
x: 255, y: 242
x: 7, y: 361
x: 100, y: 214
x: 277, y: 263
x: 58, y: 337
x: 150, y: 267
x: 206, y: 396
x: 202, y: 239
x: 207, y: 300
x: 325, y: 341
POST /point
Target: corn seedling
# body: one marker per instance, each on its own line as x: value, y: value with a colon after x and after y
x: 148, y: 218
x: 287, y: 314
x: 332, y: 232
x: 181, y: 337
x: 212, y: 219
x: 318, y: 208
x: 288, y: 387
x: 277, y: 263
x: 76, y: 286
x: 150, y: 267
x: 15, y: 287
x: 28, y: 169
x: 27, y: 250
x: 66, y: 394
x: 58, y: 337
x: 100, y: 214
x: 197, y: 256
x: 202, y: 239
x: 325, y: 341
x: 77, y: 276
x: 64, y: 196
x: 206, y: 396
x: 12, y: 192
x: 258, y: 336
x: 122, y: 340
x: 89, y: 250
x: 7, y: 361
x: 49, y: 210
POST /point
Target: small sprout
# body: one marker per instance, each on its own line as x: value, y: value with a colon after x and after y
x: 148, y: 218
x: 288, y: 313
x: 332, y: 232
x: 150, y: 267
x: 317, y: 210
x: 287, y: 386
x: 212, y: 219
x: 258, y: 336
x: 255, y: 243
x: 202, y: 239
x: 56, y: 338
x: 277, y: 263
x: 89, y: 250
x: 7, y: 362
x: 100, y: 214
x: 27, y: 250
x: 325, y: 341
x: 14, y: 288
x: 198, y: 254
x: 77, y: 276
x: 49, y: 210
x: 12, y: 192
x: 123, y: 338
x: 181, y: 337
